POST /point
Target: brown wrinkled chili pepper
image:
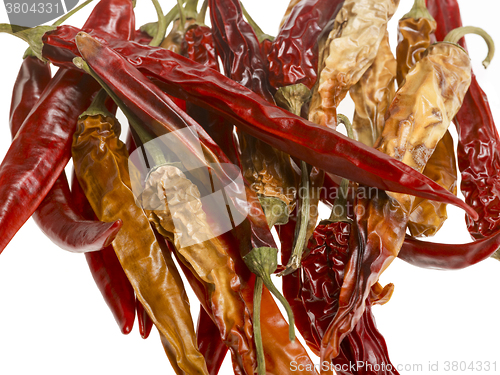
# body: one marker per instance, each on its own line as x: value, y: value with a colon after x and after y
x: 381, y: 220
x: 169, y: 196
x: 101, y: 164
x: 349, y: 50
x: 477, y: 152
x: 415, y: 35
x: 373, y: 94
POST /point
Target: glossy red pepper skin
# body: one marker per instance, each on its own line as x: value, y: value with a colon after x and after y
x: 198, y: 45
x: 448, y: 256
x: 478, y: 149
x: 319, y: 146
x: 107, y: 271
x: 145, y: 322
x: 210, y: 343
x: 293, y: 56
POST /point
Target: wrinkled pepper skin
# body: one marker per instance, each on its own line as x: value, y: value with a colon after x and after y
x: 373, y: 94
x: 349, y: 50
x: 293, y: 57
x: 412, y: 129
x: 185, y: 79
x: 198, y: 45
x: 106, y: 270
x: 415, y: 35
x: 478, y: 152
x: 168, y: 195
x: 101, y: 164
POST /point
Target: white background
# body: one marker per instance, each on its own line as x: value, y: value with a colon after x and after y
x: 53, y: 319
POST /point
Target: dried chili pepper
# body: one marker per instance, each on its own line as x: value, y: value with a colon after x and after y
x: 350, y: 49
x: 101, y: 164
x: 415, y: 34
x: 210, y: 343
x: 381, y: 221
x: 293, y: 57
x: 373, y: 94
x: 478, y: 152
x: 106, y: 270
x: 172, y: 202
x: 185, y: 79
x: 448, y: 256
x: 145, y: 322
x: 288, y: 10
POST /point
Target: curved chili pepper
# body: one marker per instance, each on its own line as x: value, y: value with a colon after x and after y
x: 318, y: 146
x: 199, y: 46
x: 106, y: 270
x: 293, y: 57
x: 478, y: 152
x: 448, y: 256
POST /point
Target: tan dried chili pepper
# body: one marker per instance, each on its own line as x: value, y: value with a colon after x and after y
x: 418, y: 117
x: 349, y: 50
x: 415, y: 35
x: 172, y: 202
x: 101, y: 161
x: 373, y: 94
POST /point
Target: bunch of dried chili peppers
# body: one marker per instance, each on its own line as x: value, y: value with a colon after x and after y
x: 232, y: 134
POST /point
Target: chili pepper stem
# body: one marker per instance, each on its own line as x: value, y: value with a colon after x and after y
x: 261, y: 35
x: 200, y: 19
x: 144, y: 136
x: 456, y: 34
x: 263, y: 261
x: 302, y: 224
x: 257, y: 334
x: 97, y: 106
x: 32, y: 36
x: 162, y: 26
x: 151, y: 28
x: 275, y: 209
x: 69, y: 14
x: 418, y: 11
x: 293, y: 97
x: 182, y: 16
x: 341, y: 202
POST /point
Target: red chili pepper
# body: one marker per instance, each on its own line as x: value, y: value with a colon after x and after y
x: 145, y: 322
x: 199, y: 46
x: 319, y: 146
x: 107, y: 271
x: 448, y: 256
x: 478, y: 149
x: 293, y: 57
x: 210, y: 343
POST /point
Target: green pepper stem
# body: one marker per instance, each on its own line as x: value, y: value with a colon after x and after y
x: 418, y: 11
x: 162, y: 26
x: 275, y: 209
x: 151, y: 28
x: 143, y: 135
x: 182, y: 16
x: 97, y: 107
x: 200, y: 19
x: 263, y: 261
x: 456, y: 34
x: 341, y: 199
x: 257, y: 333
x: 33, y: 36
x: 69, y: 14
x: 293, y: 97
x: 191, y: 6
x: 261, y: 36
x: 302, y: 224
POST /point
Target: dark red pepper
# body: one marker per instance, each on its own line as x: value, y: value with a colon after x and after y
x: 145, y: 322
x: 293, y: 57
x: 210, y: 343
